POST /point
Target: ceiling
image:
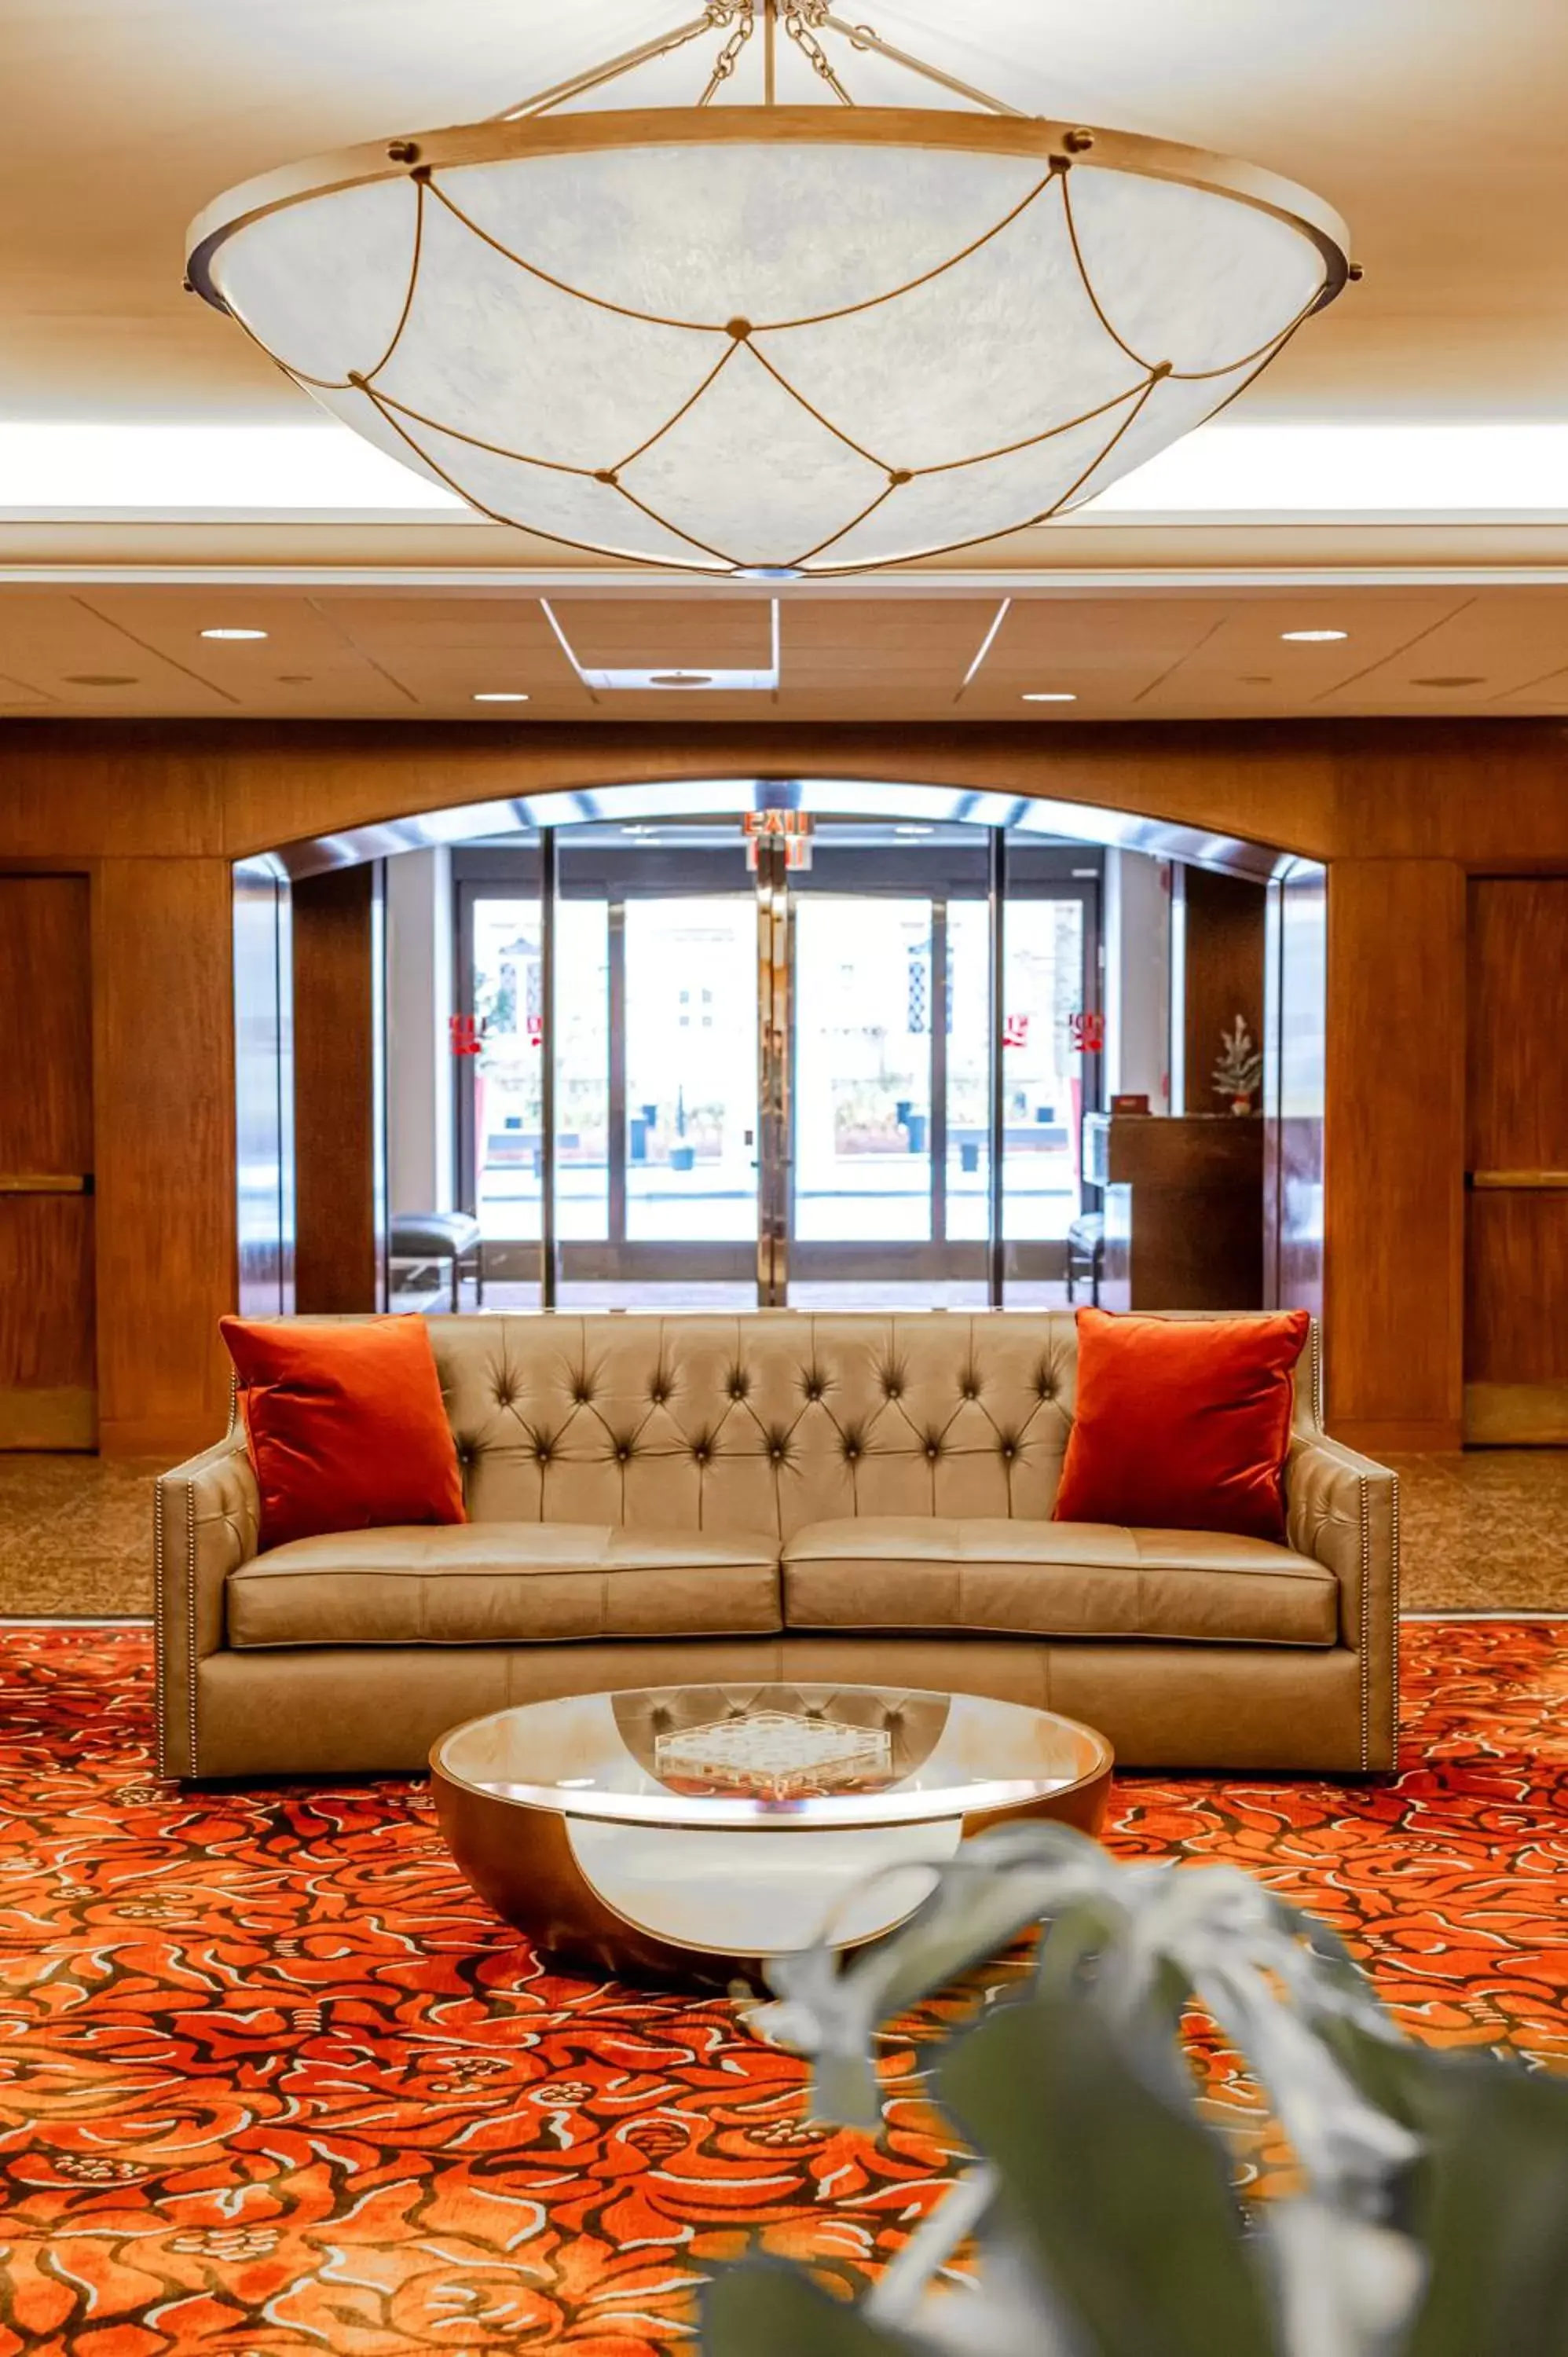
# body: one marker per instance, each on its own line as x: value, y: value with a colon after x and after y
x: 1434, y: 127
x: 348, y: 652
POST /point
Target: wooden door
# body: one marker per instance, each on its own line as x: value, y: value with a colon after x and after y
x: 48, y: 1396
x: 1516, y: 1228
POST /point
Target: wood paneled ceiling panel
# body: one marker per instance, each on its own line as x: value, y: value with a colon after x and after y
x: 343, y: 653
x: 70, y: 650
x: 305, y: 646
x: 1097, y: 650
x: 1243, y: 651
x: 920, y: 648
x: 728, y: 633
x: 445, y: 649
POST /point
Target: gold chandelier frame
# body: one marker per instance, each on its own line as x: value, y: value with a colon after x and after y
x: 534, y: 130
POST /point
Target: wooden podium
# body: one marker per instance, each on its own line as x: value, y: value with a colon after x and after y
x: 1184, y: 1208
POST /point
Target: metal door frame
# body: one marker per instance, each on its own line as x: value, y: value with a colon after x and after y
x: 535, y: 872
x: 775, y: 1071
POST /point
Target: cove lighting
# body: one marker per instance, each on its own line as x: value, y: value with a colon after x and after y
x: 321, y: 472
x: 500, y: 695
x: 1311, y: 637
x: 1050, y: 695
x: 233, y: 634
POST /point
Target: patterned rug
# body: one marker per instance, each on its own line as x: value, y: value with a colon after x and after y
x: 273, y: 2082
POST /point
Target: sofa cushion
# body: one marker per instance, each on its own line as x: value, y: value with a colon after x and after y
x: 1183, y: 1422
x: 505, y: 1583
x: 1055, y: 1580
x: 345, y: 1425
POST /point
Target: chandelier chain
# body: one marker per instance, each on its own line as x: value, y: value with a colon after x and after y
x: 866, y: 37
x: 717, y: 16
x: 729, y: 57
x: 801, y: 20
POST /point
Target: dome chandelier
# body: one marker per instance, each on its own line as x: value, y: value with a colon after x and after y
x: 772, y: 340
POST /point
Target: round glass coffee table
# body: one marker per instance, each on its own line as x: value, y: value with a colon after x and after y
x: 695, y: 1832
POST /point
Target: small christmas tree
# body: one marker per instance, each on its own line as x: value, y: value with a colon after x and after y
x: 1240, y: 1068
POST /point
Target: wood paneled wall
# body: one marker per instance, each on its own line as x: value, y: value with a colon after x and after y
x: 49, y: 1382
x: 340, y: 1204
x: 1394, y: 1151
x: 165, y: 1115
x: 1516, y: 1245
x: 1221, y: 931
x: 157, y: 811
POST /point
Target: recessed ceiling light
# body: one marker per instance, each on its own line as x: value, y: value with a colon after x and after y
x: 1453, y: 679
x: 680, y: 679
x: 501, y: 696
x: 911, y: 830
x: 1311, y: 637
x: 101, y: 678
x: 233, y: 634
x: 1048, y: 696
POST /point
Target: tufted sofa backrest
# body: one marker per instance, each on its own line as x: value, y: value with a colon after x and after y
x: 762, y: 1423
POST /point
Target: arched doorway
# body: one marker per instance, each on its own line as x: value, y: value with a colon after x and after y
x: 805, y: 1044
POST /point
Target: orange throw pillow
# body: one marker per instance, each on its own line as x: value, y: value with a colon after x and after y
x: 1182, y: 1424
x: 345, y: 1425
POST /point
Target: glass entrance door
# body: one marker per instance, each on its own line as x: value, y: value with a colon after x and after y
x: 691, y: 1072
x: 1049, y: 1080
x: 891, y: 1121
x: 656, y: 1031
x: 498, y: 1042
x: 826, y: 1083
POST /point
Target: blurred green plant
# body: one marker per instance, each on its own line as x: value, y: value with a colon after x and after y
x: 1102, y: 2217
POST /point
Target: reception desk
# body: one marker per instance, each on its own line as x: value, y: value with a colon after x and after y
x: 1183, y: 1199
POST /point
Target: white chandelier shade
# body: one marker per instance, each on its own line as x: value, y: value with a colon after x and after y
x: 783, y: 338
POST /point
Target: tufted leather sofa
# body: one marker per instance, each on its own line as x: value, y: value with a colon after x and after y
x: 822, y: 1499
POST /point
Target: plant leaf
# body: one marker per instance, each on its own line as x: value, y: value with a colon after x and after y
x: 1123, y: 2196
x: 1495, y: 2192
x: 764, y: 2308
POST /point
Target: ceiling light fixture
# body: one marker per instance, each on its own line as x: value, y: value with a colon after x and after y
x: 1311, y: 637
x: 776, y: 337
x: 233, y: 634
x: 500, y: 695
x: 680, y: 679
x: 1048, y: 696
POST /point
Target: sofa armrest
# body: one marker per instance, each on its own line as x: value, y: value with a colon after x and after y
x: 1343, y: 1510
x: 207, y: 1520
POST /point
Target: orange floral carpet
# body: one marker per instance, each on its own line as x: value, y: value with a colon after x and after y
x: 273, y: 2081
